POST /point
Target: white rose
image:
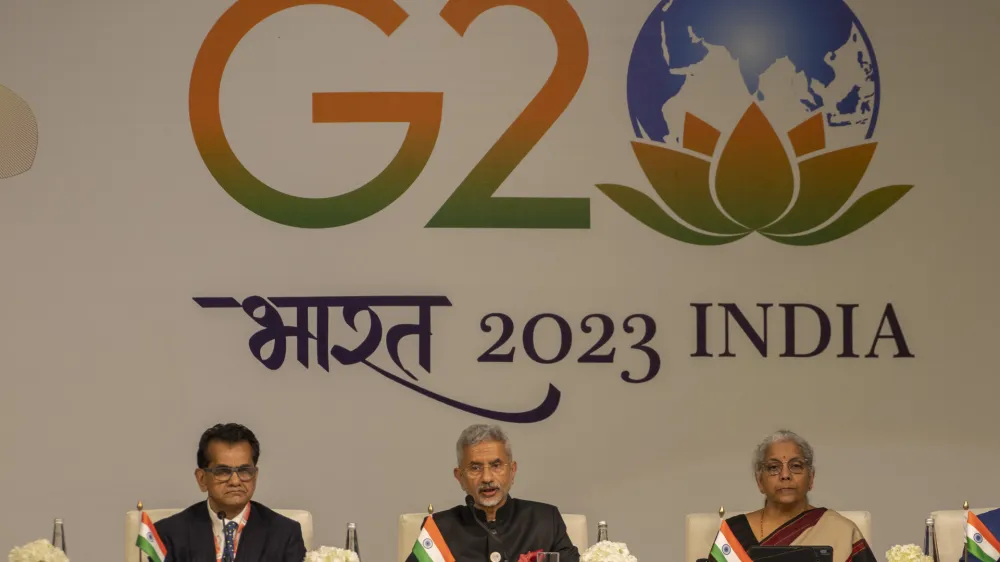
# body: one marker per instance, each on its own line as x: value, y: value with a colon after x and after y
x: 331, y: 554
x: 607, y: 551
x: 906, y: 553
x: 37, y: 551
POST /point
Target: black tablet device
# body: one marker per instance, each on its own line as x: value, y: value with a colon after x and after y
x: 791, y: 553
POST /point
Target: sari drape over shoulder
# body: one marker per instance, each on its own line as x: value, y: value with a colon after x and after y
x: 814, y: 527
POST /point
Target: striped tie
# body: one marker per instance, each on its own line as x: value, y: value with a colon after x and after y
x: 230, y: 548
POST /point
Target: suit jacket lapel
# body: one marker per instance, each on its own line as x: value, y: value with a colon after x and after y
x: 202, y: 537
x: 254, y: 537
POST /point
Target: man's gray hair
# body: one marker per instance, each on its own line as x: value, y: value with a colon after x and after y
x: 480, y: 433
x: 782, y: 436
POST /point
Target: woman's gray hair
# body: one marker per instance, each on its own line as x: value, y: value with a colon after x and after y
x: 782, y: 436
x: 480, y: 433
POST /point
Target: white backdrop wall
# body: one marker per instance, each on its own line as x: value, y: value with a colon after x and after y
x: 111, y: 370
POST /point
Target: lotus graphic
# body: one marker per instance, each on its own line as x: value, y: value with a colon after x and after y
x: 18, y: 135
x: 754, y: 185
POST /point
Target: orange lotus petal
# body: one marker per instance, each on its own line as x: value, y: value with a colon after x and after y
x: 808, y: 136
x: 754, y: 182
x: 699, y: 136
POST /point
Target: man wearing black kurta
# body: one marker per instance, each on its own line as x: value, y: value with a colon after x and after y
x: 491, y: 525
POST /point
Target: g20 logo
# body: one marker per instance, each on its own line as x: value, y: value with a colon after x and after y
x: 719, y: 191
x: 472, y: 204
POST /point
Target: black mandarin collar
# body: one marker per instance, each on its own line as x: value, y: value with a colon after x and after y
x: 503, y: 514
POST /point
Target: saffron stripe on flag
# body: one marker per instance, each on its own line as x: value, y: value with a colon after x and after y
x: 734, y: 544
x: 435, y: 533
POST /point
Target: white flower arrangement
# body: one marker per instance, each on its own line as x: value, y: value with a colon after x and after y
x: 907, y: 553
x: 607, y: 551
x: 330, y: 554
x: 37, y: 551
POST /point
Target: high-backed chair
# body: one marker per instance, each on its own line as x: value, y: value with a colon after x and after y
x: 409, y: 530
x: 132, y: 527
x: 700, y: 530
x: 949, y: 532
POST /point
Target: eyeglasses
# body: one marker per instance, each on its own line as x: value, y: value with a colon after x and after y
x: 795, y: 466
x: 476, y: 470
x: 223, y: 473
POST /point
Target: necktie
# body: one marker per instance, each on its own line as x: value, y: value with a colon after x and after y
x: 228, y: 552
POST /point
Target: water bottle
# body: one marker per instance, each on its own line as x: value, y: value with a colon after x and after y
x: 602, y: 531
x: 352, y: 540
x: 58, y: 535
x: 930, y: 545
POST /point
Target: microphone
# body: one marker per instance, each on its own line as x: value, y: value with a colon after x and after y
x: 222, y: 517
x: 471, y: 504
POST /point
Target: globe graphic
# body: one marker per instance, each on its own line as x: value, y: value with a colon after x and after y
x: 713, y: 58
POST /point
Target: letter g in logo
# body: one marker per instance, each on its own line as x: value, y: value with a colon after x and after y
x: 420, y: 110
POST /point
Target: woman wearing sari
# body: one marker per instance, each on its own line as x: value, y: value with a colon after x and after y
x: 784, y: 471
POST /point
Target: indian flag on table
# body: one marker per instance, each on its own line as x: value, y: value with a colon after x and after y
x: 979, y: 541
x: 727, y: 548
x: 149, y: 541
x: 430, y: 545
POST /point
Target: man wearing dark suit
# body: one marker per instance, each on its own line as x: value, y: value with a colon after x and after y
x: 491, y: 525
x: 229, y: 527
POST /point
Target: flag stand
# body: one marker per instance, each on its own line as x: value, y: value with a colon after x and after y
x: 138, y: 506
x: 965, y: 506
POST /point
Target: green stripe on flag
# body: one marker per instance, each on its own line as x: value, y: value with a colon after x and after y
x: 976, y: 551
x: 147, y: 547
x: 717, y: 554
x: 420, y: 553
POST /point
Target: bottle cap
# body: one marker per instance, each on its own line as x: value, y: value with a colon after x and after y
x: 599, y: 523
x: 351, y: 526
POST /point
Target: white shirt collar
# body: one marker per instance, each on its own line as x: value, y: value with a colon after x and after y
x: 217, y: 523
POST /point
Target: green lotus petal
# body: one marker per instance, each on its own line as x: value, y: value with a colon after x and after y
x: 18, y: 134
x: 681, y: 181
x: 863, y: 211
x: 754, y: 181
x: 643, y: 208
x: 826, y: 182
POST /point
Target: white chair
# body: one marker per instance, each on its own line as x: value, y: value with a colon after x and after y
x: 409, y: 530
x: 700, y: 530
x: 132, y: 526
x: 949, y: 532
